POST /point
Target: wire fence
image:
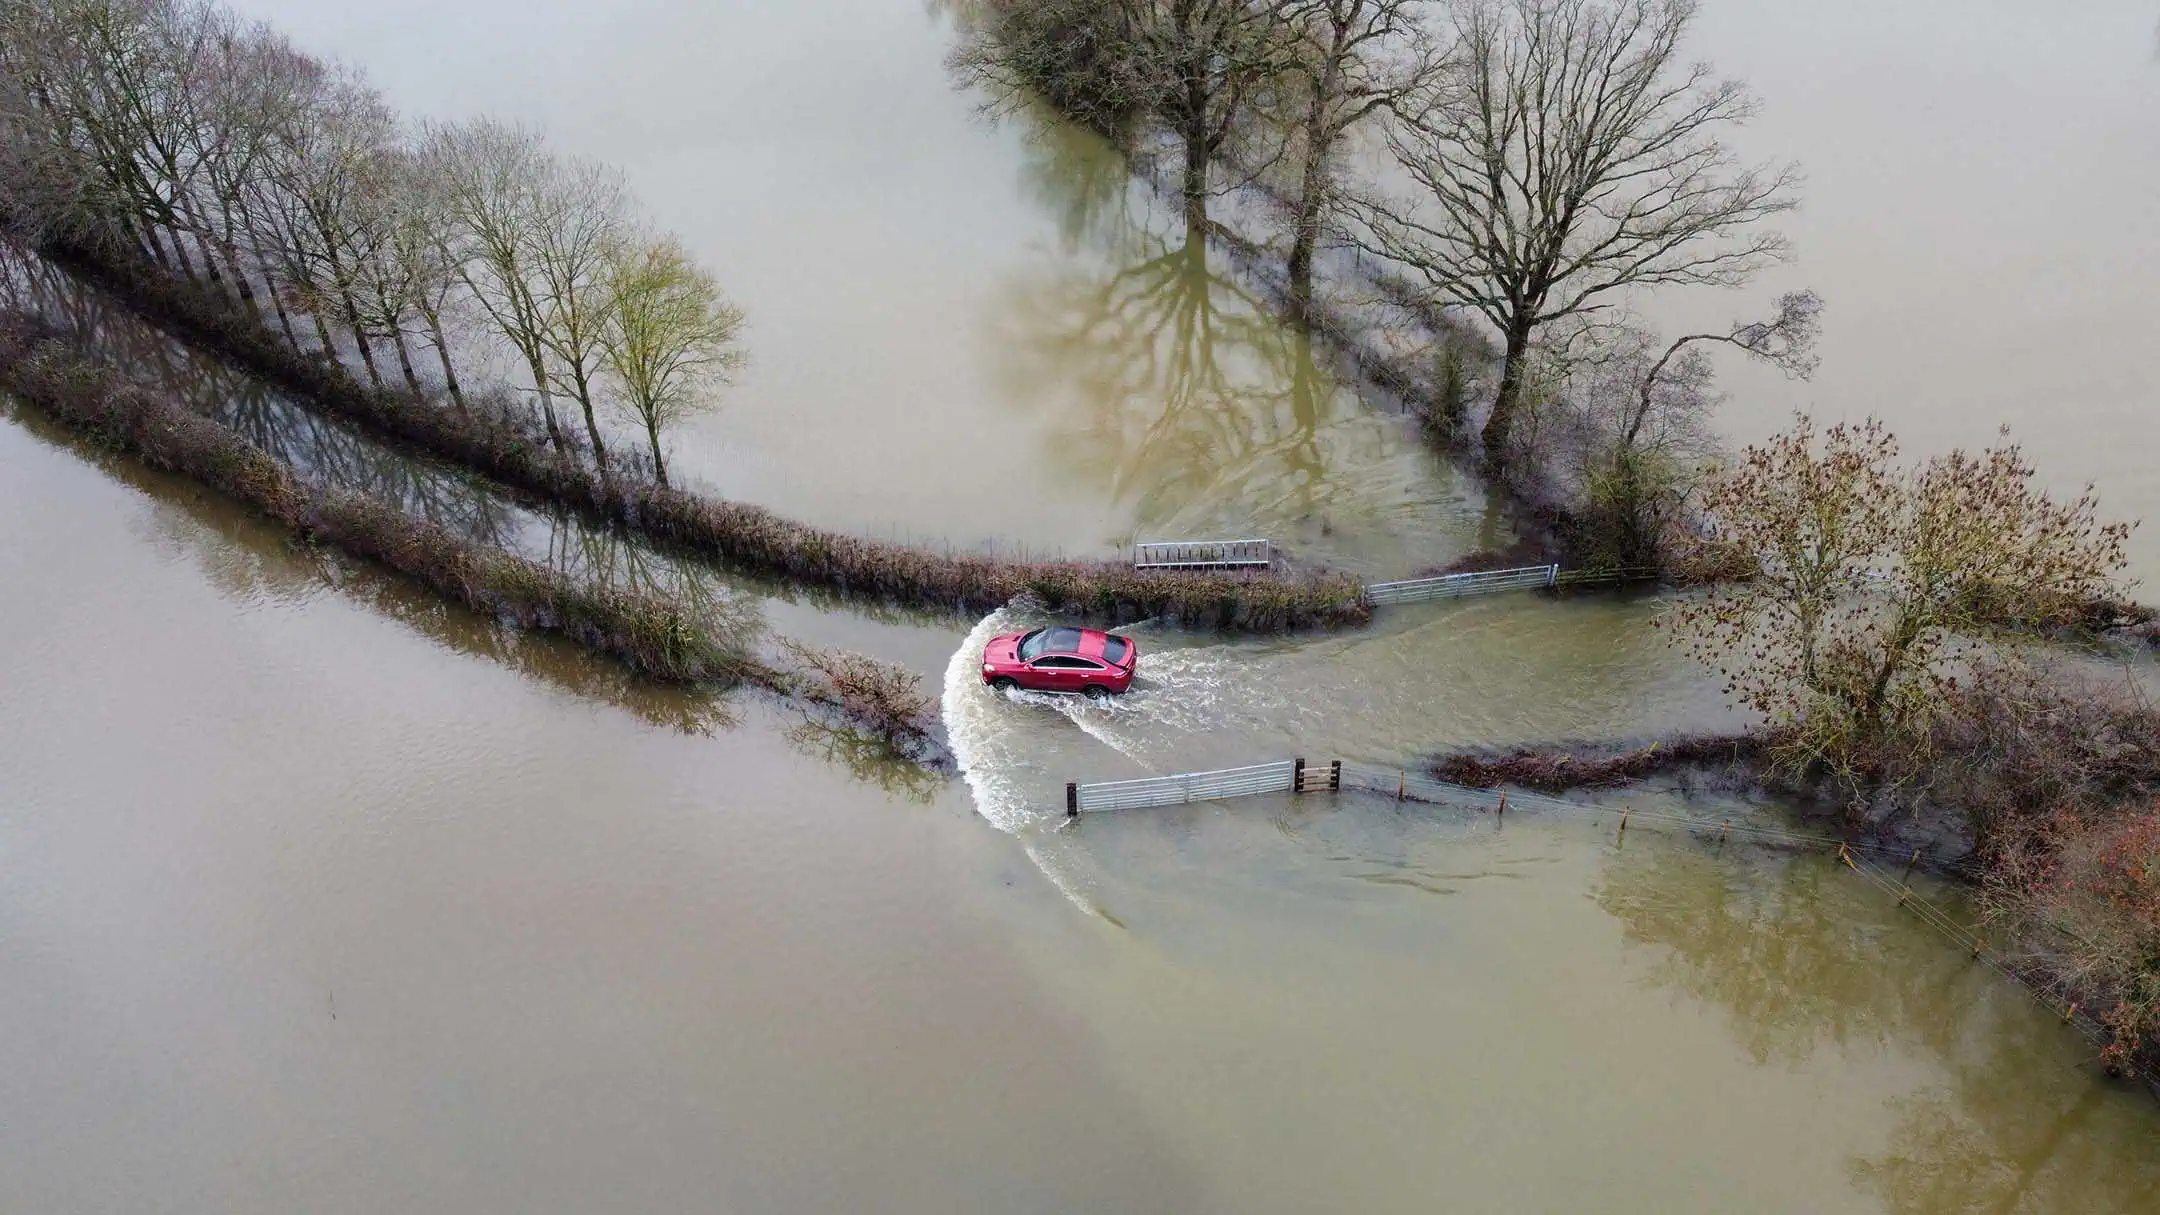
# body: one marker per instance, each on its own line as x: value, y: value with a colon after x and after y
x: 1451, y: 586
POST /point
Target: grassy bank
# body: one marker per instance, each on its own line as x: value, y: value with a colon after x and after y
x: 656, y: 638
x: 511, y: 449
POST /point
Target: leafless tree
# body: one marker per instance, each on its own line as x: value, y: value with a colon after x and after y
x: 1203, y: 61
x: 1350, y: 60
x: 670, y: 336
x: 320, y: 207
x: 489, y: 173
x: 108, y: 87
x: 581, y: 222
x: 256, y: 85
x: 1075, y: 55
x: 1785, y: 341
x: 1567, y: 157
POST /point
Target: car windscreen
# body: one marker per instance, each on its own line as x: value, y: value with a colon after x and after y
x: 1114, y: 651
x: 1048, y: 641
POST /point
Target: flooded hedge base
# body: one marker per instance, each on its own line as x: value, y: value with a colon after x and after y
x: 322, y: 895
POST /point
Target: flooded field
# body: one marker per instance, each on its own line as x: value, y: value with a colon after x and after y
x: 317, y: 895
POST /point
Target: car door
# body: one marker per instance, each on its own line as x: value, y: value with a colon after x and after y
x: 1059, y: 673
x: 1086, y: 673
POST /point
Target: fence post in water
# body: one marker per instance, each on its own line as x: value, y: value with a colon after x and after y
x: 1334, y: 777
x: 1502, y: 811
x: 1723, y: 832
x: 1623, y: 821
x: 1072, y: 799
x: 1402, y: 782
x: 1909, y: 866
x: 1297, y: 776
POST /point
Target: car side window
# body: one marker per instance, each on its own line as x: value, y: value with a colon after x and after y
x: 1063, y: 662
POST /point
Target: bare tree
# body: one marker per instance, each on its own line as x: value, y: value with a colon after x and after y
x: 1351, y: 59
x: 670, y: 336
x: 488, y: 173
x: 1074, y: 55
x: 256, y: 85
x: 318, y: 212
x: 428, y: 247
x: 1203, y: 61
x: 1785, y: 341
x: 581, y: 220
x: 1566, y: 158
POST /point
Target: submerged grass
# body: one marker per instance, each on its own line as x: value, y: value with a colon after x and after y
x: 657, y: 637
x: 511, y: 448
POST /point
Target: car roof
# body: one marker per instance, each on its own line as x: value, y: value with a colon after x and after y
x: 1065, y: 639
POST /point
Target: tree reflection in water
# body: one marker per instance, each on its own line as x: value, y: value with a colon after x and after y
x: 1161, y: 378
x: 866, y: 757
x: 1801, y: 956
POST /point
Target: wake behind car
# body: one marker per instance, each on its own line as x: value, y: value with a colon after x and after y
x: 1084, y: 662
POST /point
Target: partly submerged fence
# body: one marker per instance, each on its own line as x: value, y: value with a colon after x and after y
x: 1201, y: 554
x: 1401, y: 784
x: 1451, y: 586
x: 1871, y: 862
x: 1282, y: 776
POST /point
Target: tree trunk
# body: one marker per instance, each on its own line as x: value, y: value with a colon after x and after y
x: 442, y: 352
x: 547, y: 400
x: 367, y: 355
x: 659, y: 466
x: 592, y: 424
x: 322, y: 334
x: 1196, y: 152
x: 187, y: 264
x: 284, y: 318
x: 1511, y: 383
x: 241, y: 283
x: 231, y: 249
x: 1311, y: 192
x: 404, y: 358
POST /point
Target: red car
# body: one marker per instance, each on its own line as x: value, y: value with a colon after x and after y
x: 1087, y: 662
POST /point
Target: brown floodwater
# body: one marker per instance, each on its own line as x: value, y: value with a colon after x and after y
x: 317, y: 895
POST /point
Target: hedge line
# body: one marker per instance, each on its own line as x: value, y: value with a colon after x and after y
x: 510, y: 449
x: 652, y: 635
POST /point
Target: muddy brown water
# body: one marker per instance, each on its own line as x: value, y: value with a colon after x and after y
x: 316, y: 895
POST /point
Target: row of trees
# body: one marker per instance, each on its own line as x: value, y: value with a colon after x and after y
x: 174, y: 131
x: 1531, y: 163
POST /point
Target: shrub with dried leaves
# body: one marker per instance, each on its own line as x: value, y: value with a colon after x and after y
x: 1872, y: 579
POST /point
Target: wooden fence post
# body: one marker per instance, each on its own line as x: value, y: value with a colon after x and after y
x: 1297, y: 776
x: 1072, y: 799
x: 1502, y: 811
x: 1334, y: 778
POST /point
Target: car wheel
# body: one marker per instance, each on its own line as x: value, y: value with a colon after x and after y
x: 1096, y: 691
x: 1002, y: 684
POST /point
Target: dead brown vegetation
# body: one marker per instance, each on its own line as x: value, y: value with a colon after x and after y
x: 882, y: 698
x: 1559, y: 771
